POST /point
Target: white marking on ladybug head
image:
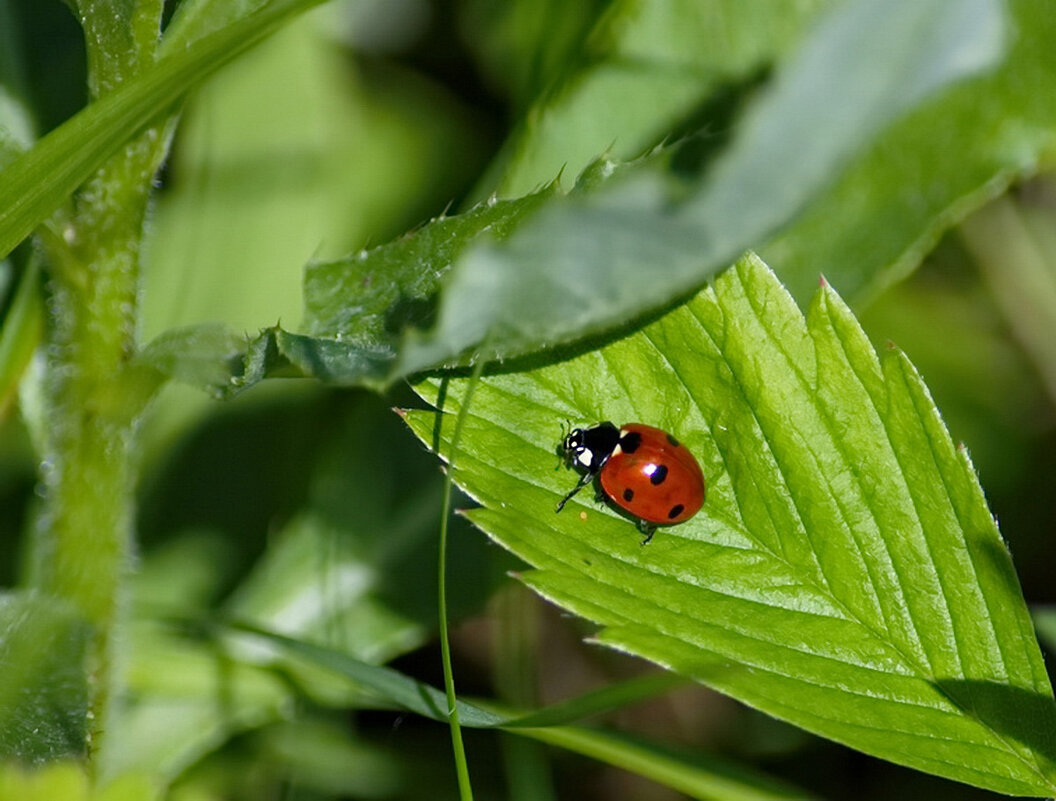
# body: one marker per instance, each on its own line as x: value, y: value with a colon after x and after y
x: 586, y: 458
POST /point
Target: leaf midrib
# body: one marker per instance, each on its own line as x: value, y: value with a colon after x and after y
x: 925, y: 674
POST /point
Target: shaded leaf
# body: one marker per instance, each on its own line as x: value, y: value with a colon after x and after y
x: 372, y: 296
x: 352, y: 568
x: 928, y: 171
x: 592, y: 262
x: 845, y: 573
x: 630, y: 243
x: 202, y: 356
x: 702, y: 776
x: 638, y: 73
x: 356, y: 310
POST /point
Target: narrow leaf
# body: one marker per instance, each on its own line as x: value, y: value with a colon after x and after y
x: 700, y: 777
x: 22, y: 330
x: 35, y: 183
x: 845, y: 573
x: 389, y: 685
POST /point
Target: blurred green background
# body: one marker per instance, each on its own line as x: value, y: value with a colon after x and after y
x: 313, y: 511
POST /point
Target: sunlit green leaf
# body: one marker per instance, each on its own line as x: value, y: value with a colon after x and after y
x: 845, y: 573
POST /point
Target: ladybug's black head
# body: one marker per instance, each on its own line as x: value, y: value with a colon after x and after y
x: 575, y: 450
x: 589, y: 448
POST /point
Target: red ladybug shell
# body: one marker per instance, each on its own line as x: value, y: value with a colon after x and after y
x: 653, y: 476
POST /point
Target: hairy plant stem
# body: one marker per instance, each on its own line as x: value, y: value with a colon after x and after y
x: 88, y: 472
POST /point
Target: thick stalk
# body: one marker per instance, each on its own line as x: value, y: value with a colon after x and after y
x: 88, y: 472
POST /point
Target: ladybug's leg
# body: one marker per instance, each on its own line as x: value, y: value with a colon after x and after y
x: 648, y: 529
x: 585, y: 479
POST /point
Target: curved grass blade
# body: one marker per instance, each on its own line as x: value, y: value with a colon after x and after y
x: 699, y: 777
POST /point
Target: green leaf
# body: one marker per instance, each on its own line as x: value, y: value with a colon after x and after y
x: 599, y: 258
x: 1014, y: 246
x: 201, y: 355
x: 845, y: 573
x: 628, y: 243
x: 388, y: 685
x: 356, y: 310
x: 928, y: 172
x: 173, y: 716
x: 44, y: 695
x: 639, y: 72
x: 194, y: 19
x: 370, y: 297
x: 353, y: 568
x: 336, y: 156
x: 36, y: 182
x: 16, y: 120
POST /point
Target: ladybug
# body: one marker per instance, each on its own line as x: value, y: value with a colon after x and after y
x: 643, y: 470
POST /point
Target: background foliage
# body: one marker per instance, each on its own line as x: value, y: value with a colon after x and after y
x: 390, y: 185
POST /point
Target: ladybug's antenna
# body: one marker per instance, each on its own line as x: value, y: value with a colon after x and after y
x: 566, y: 428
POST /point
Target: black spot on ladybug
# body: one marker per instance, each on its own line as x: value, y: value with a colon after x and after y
x: 675, y: 511
x: 628, y: 495
x: 658, y: 475
x: 630, y: 442
x: 672, y: 440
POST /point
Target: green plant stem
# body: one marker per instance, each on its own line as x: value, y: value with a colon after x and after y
x: 84, y: 535
x: 461, y: 766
